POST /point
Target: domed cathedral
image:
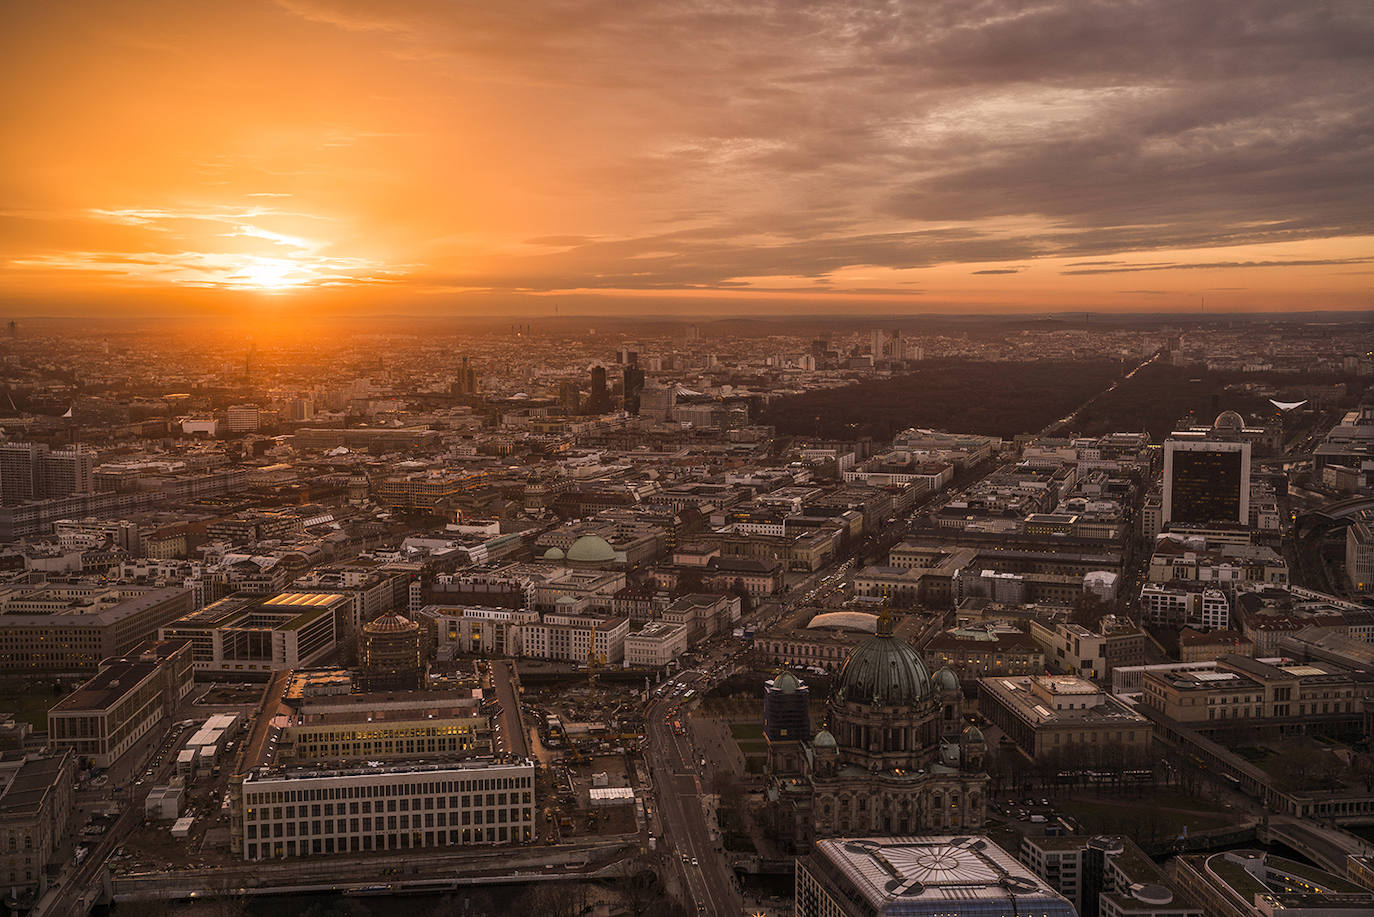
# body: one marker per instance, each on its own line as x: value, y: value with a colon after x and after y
x: 895, y: 756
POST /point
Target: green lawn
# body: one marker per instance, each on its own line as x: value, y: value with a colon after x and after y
x: 747, y: 731
x: 29, y: 706
x: 1255, y: 754
x: 749, y: 738
x: 1161, y: 816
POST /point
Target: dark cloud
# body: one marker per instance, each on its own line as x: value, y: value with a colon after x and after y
x: 1009, y: 270
x: 1211, y: 265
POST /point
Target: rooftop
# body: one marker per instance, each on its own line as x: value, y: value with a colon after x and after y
x: 30, y: 784
x: 935, y: 870
x: 101, y: 691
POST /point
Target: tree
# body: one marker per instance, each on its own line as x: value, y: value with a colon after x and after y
x: 689, y: 581
x: 639, y: 889
x: 746, y: 600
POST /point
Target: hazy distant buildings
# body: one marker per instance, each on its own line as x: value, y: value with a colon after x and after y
x: 657, y: 401
x: 599, y: 400
x: 466, y: 383
x: 242, y: 418
x: 32, y: 471
x: 633, y: 385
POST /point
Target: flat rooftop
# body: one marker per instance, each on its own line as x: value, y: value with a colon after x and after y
x: 942, y: 871
x: 107, y: 686
x: 34, y: 779
x: 1015, y: 692
x: 377, y: 769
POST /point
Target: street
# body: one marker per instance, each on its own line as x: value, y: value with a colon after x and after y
x: 687, y: 842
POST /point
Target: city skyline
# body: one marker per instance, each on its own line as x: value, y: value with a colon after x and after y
x: 311, y: 158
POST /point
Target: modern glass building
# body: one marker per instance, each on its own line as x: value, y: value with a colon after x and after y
x: 1206, y: 481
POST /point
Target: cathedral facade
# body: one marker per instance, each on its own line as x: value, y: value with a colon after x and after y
x: 895, y: 758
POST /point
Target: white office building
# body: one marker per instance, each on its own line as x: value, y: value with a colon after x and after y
x: 310, y: 812
x: 656, y: 645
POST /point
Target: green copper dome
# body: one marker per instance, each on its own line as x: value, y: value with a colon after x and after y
x: 591, y: 549
x: 885, y: 670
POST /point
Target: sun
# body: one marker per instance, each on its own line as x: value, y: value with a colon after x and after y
x: 268, y: 274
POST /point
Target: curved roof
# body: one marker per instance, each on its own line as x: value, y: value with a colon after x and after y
x: 846, y: 620
x: 945, y: 680
x: 390, y: 624
x: 1228, y: 420
x: 885, y: 670
x: 972, y: 733
x: 591, y: 549
x: 554, y: 553
x: 823, y: 739
x: 787, y: 683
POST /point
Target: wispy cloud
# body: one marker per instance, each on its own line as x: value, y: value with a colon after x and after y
x: 1214, y: 265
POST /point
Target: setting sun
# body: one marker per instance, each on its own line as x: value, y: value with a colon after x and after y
x: 268, y: 274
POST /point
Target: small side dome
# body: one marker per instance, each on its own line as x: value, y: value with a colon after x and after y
x: 554, y: 553
x: 824, y: 739
x: 971, y: 734
x: 946, y: 680
x: 787, y: 683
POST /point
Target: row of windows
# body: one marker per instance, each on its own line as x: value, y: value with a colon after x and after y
x: 391, y: 732
x: 367, y: 842
x: 368, y: 824
x: 327, y: 809
x: 354, y: 791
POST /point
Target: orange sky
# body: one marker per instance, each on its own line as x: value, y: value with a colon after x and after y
x: 430, y: 156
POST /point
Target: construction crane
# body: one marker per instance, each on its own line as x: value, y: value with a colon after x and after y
x: 595, y: 662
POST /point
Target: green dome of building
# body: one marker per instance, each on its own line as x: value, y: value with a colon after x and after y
x: 591, y: 549
x: 885, y: 670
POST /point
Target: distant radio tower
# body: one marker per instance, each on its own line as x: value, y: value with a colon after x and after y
x: 14, y: 328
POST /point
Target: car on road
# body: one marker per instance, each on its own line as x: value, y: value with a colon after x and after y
x: 694, y: 861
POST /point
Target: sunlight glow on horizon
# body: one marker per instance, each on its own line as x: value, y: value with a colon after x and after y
x: 606, y: 160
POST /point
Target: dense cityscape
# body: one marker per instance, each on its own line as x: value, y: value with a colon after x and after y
x: 562, y: 617
x: 687, y: 458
